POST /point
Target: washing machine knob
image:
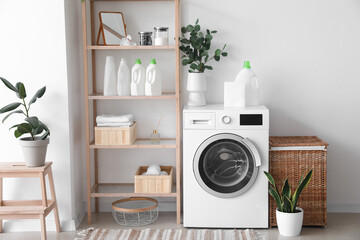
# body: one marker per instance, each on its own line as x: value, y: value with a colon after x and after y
x: 226, y: 119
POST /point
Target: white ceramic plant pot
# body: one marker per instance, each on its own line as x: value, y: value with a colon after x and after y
x: 34, y: 151
x: 196, y: 86
x: 290, y: 224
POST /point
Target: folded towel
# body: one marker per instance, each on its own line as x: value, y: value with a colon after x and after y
x: 124, y: 124
x: 114, y: 119
x: 153, y: 170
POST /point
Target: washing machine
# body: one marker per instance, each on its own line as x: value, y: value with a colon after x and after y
x: 225, y: 152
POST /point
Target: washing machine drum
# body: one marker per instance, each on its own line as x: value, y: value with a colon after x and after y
x: 226, y: 165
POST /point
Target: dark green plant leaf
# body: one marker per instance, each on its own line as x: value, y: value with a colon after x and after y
x: 208, y: 31
x: 209, y: 67
x: 287, y: 205
x: 300, y: 188
x: 286, y: 190
x: 17, y: 111
x: 205, y: 53
x: 276, y: 196
x: 197, y: 28
x: 224, y: 47
x: 189, y: 28
x: 24, y: 128
x: 217, y: 58
x: 209, y: 37
x: 183, y: 29
x: 214, y: 31
x: 14, y: 126
x: 217, y: 52
x: 184, y: 62
x: 9, y: 107
x: 38, y: 130
x: 224, y: 54
x: 201, y: 36
x: 193, y: 66
x: 206, y: 58
x: 33, y: 121
x: 17, y: 134
x: 197, y: 21
x: 37, y: 95
x: 21, y: 92
x: 8, y: 84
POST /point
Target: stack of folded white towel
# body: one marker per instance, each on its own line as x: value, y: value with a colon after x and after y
x: 154, y: 170
x: 114, y: 121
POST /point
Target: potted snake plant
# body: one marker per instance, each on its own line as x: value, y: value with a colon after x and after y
x: 196, y: 48
x: 35, y: 145
x: 289, y: 218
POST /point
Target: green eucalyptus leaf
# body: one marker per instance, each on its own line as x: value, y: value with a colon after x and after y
x: 224, y: 47
x: 193, y: 66
x: 197, y: 21
x: 208, y: 31
x: 217, y: 58
x: 201, y: 36
x: 206, y: 58
x: 21, y: 92
x: 209, y: 37
x: 189, y: 28
x: 17, y: 111
x: 183, y: 29
x: 217, y: 52
x: 184, y: 62
x: 8, y: 84
x: 205, y: 53
x: 197, y: 28
x: 214, y: 31
x: 9, y: 107
x: 224, y: 54
x: 37, y: 95
x: 209, y: 67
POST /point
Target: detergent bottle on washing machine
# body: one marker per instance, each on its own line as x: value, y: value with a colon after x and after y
x: 250, y: 82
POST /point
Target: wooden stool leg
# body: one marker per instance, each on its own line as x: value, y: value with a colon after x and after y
x: 53, y: 197
x: 1, y: 198
x: 43, y: 190
x: 43, y: 227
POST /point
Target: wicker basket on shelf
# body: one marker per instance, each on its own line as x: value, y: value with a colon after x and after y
x: 289, y: 157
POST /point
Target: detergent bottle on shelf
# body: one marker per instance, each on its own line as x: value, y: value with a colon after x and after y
x: 153, y: 80
x: 137, y: 79
x: 249, y: 81
x: 110, y: 77
x: 123, y: 80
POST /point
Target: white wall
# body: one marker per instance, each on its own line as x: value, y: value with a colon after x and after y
x: 33, y: 51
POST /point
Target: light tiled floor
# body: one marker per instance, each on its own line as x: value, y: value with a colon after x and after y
x: 341, y: 226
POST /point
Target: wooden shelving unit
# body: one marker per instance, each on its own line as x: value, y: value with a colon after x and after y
x: 97, y: 190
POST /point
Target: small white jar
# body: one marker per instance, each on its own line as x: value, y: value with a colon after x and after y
x: 161, y: 36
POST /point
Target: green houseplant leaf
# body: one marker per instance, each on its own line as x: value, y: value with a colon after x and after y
x: 300, y: 188
x: 21, y: 92
x: 8, y: 84
x: 277, y: 198
x: 10, y: 107
x: 37, y: 95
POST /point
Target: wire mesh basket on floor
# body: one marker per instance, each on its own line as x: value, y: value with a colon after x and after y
x: 135, y: 211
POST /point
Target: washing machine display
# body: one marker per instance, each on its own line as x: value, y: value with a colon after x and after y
x: 225, y: 165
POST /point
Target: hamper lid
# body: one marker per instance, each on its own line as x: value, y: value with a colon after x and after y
x: 289, y: 141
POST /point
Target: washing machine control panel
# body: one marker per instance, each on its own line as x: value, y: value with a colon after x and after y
x: 226, y: 119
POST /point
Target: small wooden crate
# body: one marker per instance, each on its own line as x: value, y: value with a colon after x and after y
x: 289, y: 157
x: 115, y: 135
x: 153, y: 183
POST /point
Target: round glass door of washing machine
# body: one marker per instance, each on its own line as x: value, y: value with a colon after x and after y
x: 225, y: 165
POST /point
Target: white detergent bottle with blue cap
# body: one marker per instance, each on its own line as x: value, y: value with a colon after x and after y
x: 137, y: 85
x: 250, y: 82
x: 153, y: 85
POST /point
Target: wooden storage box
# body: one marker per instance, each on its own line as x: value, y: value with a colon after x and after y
x: 153, y: 183
x: 289, y: 157
x: 115, y: 135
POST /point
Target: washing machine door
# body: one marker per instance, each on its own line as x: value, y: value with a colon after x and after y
x: 226, y: 165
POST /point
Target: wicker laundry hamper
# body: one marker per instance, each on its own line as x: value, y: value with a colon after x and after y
x: 289, y: 157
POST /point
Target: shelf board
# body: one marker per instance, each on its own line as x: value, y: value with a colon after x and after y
x: 116, y: 47
x: 139, y: 143
x: 129, y: 0
x: 100, y: 96
x: 124, y: 190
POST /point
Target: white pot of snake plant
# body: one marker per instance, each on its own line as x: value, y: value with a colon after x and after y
x: 289, y: 218
x: 35, y: 146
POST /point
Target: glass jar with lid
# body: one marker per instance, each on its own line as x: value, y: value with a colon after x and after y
x: 161, y: 36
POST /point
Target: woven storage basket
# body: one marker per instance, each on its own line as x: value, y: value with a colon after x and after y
x: 289, y: 157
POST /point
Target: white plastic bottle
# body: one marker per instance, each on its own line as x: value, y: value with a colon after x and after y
x: 153, y: 80
x: 110, y: 77
x: 123, y: 79
x: 249, y: 80
x: 137, y: 79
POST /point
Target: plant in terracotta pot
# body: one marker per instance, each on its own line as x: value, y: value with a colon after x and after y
x: 35, y: 145
x: 289, y: 218
x: 195, y: 44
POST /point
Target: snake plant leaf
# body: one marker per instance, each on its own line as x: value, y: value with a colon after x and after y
x: 300, y: 188
x: 287, y: 205
x: 37, y: 95
x: 9, y: 107
x: 21, y: 92
x: 276, y: 196
x: 8, y: 84
x: 286, y: 190
x: 33, y: 121
x: 17, y: 111
x: 24, y: 128
x: 270, y: 178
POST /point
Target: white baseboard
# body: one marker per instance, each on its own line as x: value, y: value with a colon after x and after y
x: 32, y: 225
x: 343, y: 208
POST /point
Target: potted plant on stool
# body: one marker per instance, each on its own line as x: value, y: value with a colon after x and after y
x: 289, y: 218
x: 34, y: 147
x: 196, y: 53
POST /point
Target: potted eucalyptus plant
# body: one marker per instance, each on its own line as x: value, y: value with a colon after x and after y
x: 34, y: 146
x: 289, y: 218
x: 195, y: 44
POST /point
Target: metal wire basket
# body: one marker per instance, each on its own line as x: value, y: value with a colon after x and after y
x: 135, y: 211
